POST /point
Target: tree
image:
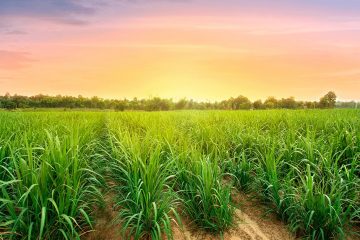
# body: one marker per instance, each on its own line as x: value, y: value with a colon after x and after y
x: 240, y: 102
x: 181, y: 104
x: 351, y: 104
x: 119, y: 105
x: 271, y: 102
x: 159, y: 104
x: 328, y: 101
x: 310, y: 105
x: 9, y: 105
x: 258, y: 104
x: 289, y: 103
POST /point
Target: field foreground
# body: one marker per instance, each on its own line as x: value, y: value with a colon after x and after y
x: 252, y: 222
x: 183, y: 175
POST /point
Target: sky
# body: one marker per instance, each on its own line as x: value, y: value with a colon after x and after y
x: 196, y: 49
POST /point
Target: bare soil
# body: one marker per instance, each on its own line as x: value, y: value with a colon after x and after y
x: 105, y: 227
x: 251, y: 224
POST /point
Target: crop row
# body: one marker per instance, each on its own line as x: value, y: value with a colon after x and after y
x: 168, y: 166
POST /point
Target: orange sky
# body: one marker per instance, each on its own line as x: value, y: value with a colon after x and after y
x: 206, y: 50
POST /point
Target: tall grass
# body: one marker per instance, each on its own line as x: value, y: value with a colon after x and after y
x: 207, y: 201
x: 304, y: 165
x: 146, y: 199
x: 49, y: 188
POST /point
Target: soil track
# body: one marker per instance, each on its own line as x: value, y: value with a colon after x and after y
x: 251, y: 224
x: 105, y: 228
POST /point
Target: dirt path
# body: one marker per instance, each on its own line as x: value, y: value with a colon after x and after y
x: 251, y: 225
x: 105, y: 228
x: 256, y: 223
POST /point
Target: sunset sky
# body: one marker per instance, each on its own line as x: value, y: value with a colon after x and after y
x: 200, y: 49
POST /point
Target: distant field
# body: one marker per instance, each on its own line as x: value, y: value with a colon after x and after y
x: 159, y: 175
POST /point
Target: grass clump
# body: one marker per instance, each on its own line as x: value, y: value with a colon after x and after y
x: 207, y: 201
x: 50, y: 189
x: 146, y: 200
x: 321, y: 208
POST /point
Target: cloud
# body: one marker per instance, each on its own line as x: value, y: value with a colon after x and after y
x: 60, y: 11
x: 6, y: 29
x: 15, y: 32
x: 12, y: 60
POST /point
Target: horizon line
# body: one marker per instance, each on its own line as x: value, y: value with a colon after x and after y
x: 175, y: 99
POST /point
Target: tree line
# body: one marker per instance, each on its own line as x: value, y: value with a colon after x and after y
x: 160, y: 104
